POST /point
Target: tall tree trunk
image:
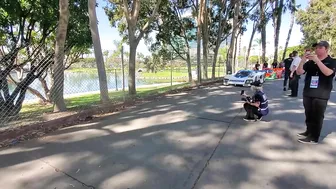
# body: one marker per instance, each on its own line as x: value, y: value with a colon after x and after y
x: 277, y: 30
x: 58, y: 68
x: 230, y: 61
x: 98, y: 52
x: 189, y: 66
x: 289, y: 31
x: 223, y: 4
x: 205, y: 38
x: 45, y: 88
x: 199, y: 29
x: 255, y: 26
x: 214, y: 61
x: 263, y: 30
x: 131, y: 67
x: 235, y: 54
x: 132, y: 19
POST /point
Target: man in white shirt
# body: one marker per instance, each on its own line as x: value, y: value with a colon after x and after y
x: 294, y: 78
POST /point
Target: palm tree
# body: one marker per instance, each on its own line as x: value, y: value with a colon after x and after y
x: 57, y: 88
x: 98, y: 51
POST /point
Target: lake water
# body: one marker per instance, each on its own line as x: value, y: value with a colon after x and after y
x: 81, y: 82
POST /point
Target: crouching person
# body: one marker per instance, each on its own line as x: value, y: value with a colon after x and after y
x: 256, y: 106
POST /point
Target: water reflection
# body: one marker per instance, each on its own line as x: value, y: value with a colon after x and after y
x: 81, y: 82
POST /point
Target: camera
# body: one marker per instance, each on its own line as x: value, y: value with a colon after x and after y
x: 247, y: 98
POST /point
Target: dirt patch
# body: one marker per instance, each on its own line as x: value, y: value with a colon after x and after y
x: 54, y: 121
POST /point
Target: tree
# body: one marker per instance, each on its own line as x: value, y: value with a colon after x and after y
x: 199, y: 11
x: 139, y: 17
x: 235, y: 30
x: 98, y: 52
x: 277, y: 10
x: 299, y: 48
x: 292, y: 7
x: 219, y: 29
x: 32, y: 45
x: 205, y: 35
x: 154, y: 63
x: 58, y: 74
x: 106, y: 54
x: 175, y: 32
x: 318, y: 22
x: 255, y: 18
x: 263, y: 23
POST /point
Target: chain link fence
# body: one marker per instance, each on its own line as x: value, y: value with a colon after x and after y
x: 30, y: 82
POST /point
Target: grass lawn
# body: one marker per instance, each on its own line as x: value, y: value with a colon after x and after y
x: 177, y: 72
x: 30, y: 111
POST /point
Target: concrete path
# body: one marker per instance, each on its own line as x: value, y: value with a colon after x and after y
x: 189, y: 140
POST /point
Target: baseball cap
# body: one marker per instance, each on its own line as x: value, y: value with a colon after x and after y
x: 322, y: 43
x: 256, y: 83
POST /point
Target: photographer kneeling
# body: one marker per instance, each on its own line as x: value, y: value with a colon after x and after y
x: 256, y: 106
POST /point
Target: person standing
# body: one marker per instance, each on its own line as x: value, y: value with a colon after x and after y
x: 320, y: 71
x: 294, y: 78
x: 288, y: 62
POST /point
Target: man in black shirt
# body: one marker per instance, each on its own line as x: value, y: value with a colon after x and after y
x: 320, y: 70
x: 288, y: 62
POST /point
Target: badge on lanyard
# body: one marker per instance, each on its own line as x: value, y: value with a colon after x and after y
x: 314, y: 82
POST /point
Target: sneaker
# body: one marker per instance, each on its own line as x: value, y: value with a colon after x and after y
x: 304, y: 134
x: 307, y: 140
x: 249, y: 119
x: 259, y: 118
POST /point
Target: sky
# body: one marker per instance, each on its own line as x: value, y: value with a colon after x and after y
x: 108, y: 34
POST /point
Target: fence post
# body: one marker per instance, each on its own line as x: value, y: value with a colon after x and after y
x: 116, y: 78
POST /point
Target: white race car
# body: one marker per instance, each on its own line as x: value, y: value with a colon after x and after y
x: 244, y: 78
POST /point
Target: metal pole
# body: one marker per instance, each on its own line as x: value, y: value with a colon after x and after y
x: 122, y: 67
x: 116, y: 78
x: 171, y: 70
x: 123, y: 73
x: 219, y: 66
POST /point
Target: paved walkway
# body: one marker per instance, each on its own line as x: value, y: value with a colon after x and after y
x: 189, y: 140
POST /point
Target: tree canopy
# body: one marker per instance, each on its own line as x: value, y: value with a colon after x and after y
x: 318, y: 22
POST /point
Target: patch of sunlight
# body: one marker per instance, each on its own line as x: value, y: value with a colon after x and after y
x: 184, y: 141
x: 171, y: 162
x: 212, y: 110
x: 75, y: 136
x: 157, y: 120
x: 18, y: 150
x: 132, y: 178
x: 177, y: 94
x: 277, y: 147
x: 331, y: 103
x: 297, y: 111
x: 123, y: 144
x: 35, y: 174
x: 67, y: 160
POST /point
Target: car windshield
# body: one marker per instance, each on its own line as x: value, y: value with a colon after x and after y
x: 243, y: 73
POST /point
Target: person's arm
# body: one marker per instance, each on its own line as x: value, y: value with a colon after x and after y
x: 257, y: 101
x: 300, y: 69
x: 256, y: 104
x: 295, y: 63
x: 324, y: 69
